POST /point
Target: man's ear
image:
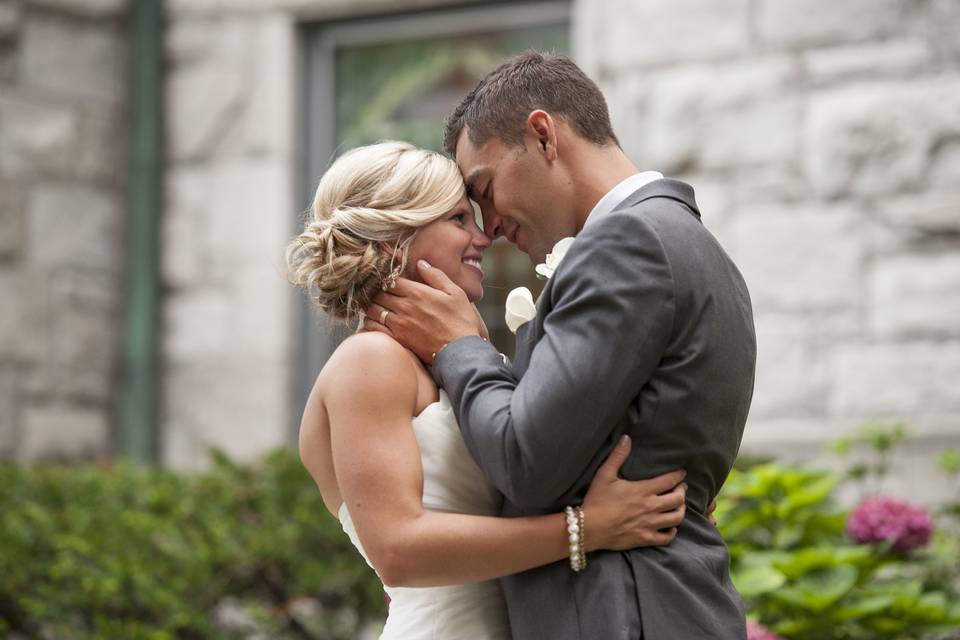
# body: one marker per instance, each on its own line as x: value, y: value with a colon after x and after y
x: 543, y: 128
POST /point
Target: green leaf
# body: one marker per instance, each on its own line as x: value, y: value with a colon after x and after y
x: 818, y: 590
x: 757, y: 580
x: 863, y: 607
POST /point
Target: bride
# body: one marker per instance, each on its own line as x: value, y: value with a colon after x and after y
x: 381, y: 440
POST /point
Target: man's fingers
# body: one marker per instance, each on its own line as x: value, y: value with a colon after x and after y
x: 435, y: 277
x: 380, y: 302
x: 611, y: 466
x: 662, y: 538
x: 669, y: 501
x: 378, y: 313
x: 373, y: 325
x: 671, y: 518
x: 667, y: 481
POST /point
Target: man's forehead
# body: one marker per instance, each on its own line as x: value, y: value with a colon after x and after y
x: 465, y: 152
x: 469, y: 160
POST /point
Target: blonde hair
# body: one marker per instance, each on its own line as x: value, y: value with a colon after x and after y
x: 366, y: 212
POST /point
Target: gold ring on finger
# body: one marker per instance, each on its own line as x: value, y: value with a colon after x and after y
x: 383, y: 316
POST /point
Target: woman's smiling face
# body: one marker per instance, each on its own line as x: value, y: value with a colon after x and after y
x: 454, y: 244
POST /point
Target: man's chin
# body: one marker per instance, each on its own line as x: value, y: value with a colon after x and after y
x: 536, y: 257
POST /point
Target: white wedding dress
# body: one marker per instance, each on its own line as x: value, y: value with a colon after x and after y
x: 452, y: 482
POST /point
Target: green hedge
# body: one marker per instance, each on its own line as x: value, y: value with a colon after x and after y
x: 124, y: 551
x: 136, y: 552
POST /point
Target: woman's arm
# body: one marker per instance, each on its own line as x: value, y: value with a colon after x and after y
x: 370, y: 403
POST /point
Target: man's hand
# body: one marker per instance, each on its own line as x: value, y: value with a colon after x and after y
x: 424, y: 317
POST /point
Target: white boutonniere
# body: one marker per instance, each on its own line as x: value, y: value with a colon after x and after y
x: 545, y: 270
x: 520, y: 307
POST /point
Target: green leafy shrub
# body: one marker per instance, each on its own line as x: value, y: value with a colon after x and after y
x: 802, y: 577
x: 133, y: 552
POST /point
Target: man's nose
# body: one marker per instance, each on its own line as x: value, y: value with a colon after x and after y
x: 492, y: 223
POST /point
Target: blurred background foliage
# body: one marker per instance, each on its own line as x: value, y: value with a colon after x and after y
x: 125, y: 551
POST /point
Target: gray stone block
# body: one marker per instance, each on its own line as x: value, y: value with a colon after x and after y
x: 804, y: 23
x: 878, y: 139
x: 719, y: 117
x: 12, y: 220
x: 75, y: 60
x: 897, y: 59
x: 96, y: 290
x: 25, y: 321
x: 801, y: 258
x: 199, y: 325
x: 102, y: 154
x: 895, y: 379
x: 85, y: 8
x: 208, y: 93
x: 63, y: 432
x: 944, y: 26
x: 8, y: 411
x: 184, y: 226
x: 791, y: 372
x: 933, y: 212
x: 233, y: 405
x: 944, y: 170
x: 83, y: 351
x: 653, y: 32
x: 915, y: 296
x: 11, y: 14
x: 36, y: 137
x: 73, y: 226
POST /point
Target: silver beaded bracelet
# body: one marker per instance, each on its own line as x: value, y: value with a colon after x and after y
x: 575, y: 535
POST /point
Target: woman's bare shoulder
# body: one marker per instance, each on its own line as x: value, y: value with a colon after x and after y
x: 367, y: 363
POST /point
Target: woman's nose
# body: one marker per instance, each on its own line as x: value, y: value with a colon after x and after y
x: 481, y: 240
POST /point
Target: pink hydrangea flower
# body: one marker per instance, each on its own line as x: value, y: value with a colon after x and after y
x: 904, y: 525
x: 756, y: 631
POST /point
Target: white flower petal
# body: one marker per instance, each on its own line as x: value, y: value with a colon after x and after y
x: 560, y: 249
x: 519, y: 308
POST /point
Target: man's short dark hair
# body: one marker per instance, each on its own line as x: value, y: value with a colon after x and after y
x: 499, y: 105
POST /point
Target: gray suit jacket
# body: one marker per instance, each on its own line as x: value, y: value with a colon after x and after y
x: 645, y: 328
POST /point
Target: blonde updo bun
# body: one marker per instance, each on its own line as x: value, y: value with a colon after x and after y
x: 367, y: 209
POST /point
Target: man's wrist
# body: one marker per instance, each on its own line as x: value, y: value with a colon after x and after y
x: 436, y: 353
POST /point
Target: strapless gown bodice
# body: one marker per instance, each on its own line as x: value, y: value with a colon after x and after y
x: 452, y: 483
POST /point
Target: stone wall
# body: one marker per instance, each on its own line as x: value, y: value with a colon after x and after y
x: 823, y: 139
x: 62, y: 114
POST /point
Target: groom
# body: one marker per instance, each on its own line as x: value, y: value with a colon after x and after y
x: 645, y: 328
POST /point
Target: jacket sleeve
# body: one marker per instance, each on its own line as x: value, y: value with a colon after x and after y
x: 610, y: 318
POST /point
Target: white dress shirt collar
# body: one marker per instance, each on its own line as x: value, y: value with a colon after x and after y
x: 621, y: 192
